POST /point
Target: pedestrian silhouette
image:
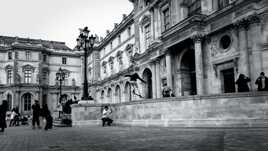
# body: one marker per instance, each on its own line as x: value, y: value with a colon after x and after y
x: 242, y: 83
x: 36, y: 114
x: 262, y: 82
x: 3, y: 111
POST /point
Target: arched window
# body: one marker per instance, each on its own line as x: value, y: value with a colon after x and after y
x: 27, y: 101
x: 118, y: 94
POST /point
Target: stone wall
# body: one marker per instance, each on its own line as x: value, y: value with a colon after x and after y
x: 236, y: 110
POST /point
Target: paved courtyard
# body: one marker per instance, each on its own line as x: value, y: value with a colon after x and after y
x: 134, y: 139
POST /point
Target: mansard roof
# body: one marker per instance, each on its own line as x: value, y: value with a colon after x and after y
x: 6, y: 41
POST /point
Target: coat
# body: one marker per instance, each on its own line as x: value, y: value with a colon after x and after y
x: 259, y: 83
x: 3, y: 111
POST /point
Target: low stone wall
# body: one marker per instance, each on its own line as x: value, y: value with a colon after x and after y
x: 227, y: 110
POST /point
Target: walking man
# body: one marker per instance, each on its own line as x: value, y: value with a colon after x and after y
x: 36, y: 114
x: 262, y: 82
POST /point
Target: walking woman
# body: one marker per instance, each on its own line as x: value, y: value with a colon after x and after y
x: 3, y: 110
x: 47, y: 115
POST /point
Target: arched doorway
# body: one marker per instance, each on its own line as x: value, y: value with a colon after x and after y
x: 187, y: 68
x: 127, y: 92
x: 118, y: 94
x: 109, y: 96
x: 147, y: 88
x: 9, y: 101
x: 102, y: 96
x: 27, y: 102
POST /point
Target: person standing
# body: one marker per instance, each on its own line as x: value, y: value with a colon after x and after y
x: 47, y: 115
x: 36, y: 114
x: 262, y: 82
x: 242, y: 83
x: 3, y: 110
x: 12, y: 118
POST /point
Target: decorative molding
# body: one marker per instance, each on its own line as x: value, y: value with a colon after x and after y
x: 198, y: 37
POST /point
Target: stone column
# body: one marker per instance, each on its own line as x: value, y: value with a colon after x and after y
x: 199, y: 64
x: 157, y: 78
x: 154, y: 79
x: 256, y: 40
x: 243, y: 47
x: 169, y: 69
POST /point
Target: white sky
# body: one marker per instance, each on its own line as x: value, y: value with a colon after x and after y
x: 59, y: 20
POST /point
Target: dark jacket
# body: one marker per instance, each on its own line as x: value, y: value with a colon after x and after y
x: 36, y: 109
x: 259, y: 83
x: 242, y: 83
x: 3, y: 110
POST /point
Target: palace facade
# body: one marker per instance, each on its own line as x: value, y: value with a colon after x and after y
x: 194, y: 47
x: 28, y: 70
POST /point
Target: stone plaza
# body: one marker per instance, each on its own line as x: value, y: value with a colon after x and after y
x: 134, y: 139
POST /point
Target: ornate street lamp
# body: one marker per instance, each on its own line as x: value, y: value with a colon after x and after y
x: 60, y: 76
x: 86, y: 42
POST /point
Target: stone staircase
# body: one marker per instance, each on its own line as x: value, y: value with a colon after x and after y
x: 63, y: 121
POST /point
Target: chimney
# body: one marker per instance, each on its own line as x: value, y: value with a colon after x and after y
x: 115, y: 25
x: 107, y: 32
x: 124, y: 16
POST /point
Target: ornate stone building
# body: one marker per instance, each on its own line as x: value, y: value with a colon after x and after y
x: 28, y: 72
x: 195, y: 47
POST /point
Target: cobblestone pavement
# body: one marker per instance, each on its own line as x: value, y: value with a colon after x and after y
x: 134, y: 139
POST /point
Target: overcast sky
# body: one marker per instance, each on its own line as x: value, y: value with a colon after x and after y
x: 59, y: 20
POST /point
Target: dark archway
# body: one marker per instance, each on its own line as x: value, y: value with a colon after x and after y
x: 147, y: 89
x: 127, y: 92
x: 187, y: 68
x: 118, y: 94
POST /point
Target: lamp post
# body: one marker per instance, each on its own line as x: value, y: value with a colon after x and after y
x: 60, y: 76
x: 86, y: 42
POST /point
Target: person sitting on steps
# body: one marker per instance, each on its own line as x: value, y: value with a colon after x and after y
x: 106, y: 116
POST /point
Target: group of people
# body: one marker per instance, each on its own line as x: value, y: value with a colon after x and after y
x: 43, y: 112
x: 37, y: 113
x: 261, y: 82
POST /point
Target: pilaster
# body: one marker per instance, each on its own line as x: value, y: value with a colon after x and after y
x: 199, y: 63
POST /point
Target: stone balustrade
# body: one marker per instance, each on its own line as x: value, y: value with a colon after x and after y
x: 224, y: 110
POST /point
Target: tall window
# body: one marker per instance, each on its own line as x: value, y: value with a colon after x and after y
x: 194, y: 7
x: 27, y: 76
x: 129, y: 31
x: 27, y: 102
x: 9, y: 100
x: 9, y: 55
x: 64, y: 60
x: 9, y: 76
x: 119, y: 39
x: 44, y: 58
x: 223, y: 3
x: 111, y: 45
x: 28, y: 55
x: 16, y: 55
x: 166, y: 18
x: 147, y: 30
